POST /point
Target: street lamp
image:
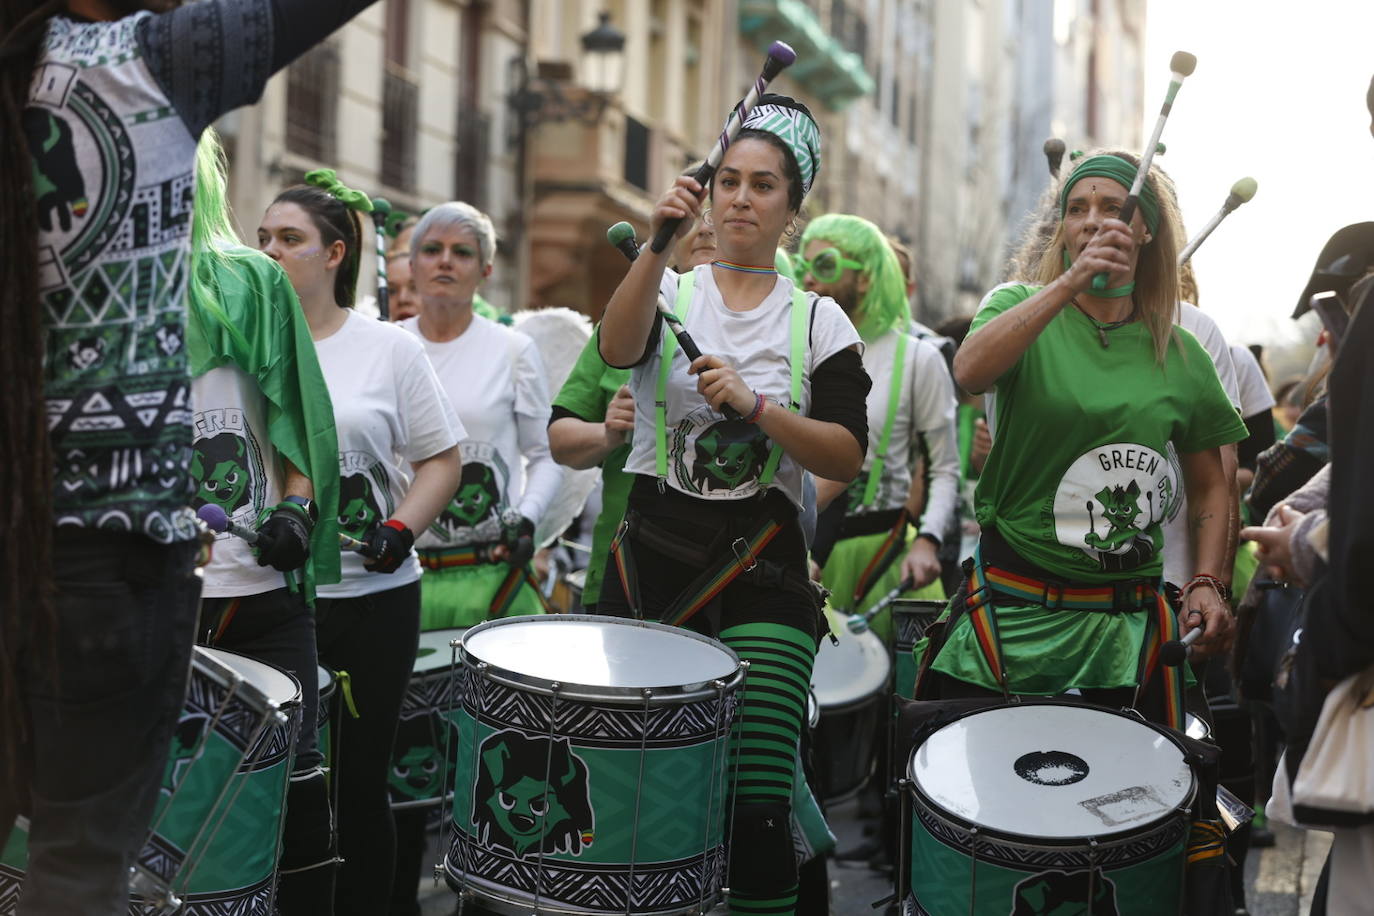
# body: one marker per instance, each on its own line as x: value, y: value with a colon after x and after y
x: 544, y: 98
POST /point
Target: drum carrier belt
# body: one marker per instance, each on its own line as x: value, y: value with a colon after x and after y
x: 480, y: 555
x: 719, y: 566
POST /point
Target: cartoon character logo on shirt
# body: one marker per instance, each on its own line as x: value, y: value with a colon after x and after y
x: 474, y: 514
x: 1111, y: 504
x: 364, y: 493
x: 1057, y: 893
x: 528, y: 788
x: 727, y: 455
x: 221, y: 470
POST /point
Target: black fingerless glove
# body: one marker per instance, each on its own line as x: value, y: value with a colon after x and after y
x: 518, y: 536
x: 284, y: 537
x: 388, y: 545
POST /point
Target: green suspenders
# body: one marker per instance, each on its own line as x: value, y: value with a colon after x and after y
x: 894, y: 397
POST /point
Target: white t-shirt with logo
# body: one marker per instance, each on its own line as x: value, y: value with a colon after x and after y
x: 495, y: 379
x: 236, y: 467
x: 925, y: 415
x: 710, y: 457
x: 389, y: 410
x: 1255, y: 396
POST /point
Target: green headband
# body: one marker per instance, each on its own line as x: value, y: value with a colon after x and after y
x: 327, y: 180
x: 1120, y: 171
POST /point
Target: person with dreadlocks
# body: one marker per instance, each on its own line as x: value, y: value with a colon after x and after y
x: 101, y: 106
x: 266, y: 453
x: 1091, y: 387
x: 710, y: 538
x: 910, y: 414
x: 399, y: 466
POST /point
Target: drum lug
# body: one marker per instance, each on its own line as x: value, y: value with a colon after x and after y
x: 438, y: 874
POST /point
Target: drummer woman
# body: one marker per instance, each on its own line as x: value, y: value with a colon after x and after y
x: 1090, y: 387
x: 710, y: 538
x: 398, y: 464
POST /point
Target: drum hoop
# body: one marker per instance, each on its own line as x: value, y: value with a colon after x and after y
x: 226, y: 676
x: 1037, y: 842
x: 567, y: 690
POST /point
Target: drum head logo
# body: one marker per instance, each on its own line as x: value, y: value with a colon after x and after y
x: 1058, y: 893
x: 1111, y: 502
x: 1051, y: 768
x: 727, y: 455
x: 514, y: 805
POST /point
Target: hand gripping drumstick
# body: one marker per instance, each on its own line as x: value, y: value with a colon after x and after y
x: 780, y: 57
x: 381, y: 209
x: 1241, y: 193
x: 1181, y: 66
x: 216, y: 520
x: 622, y: 236
x: 1054, y: 154
x: 857, y: 623
x: 1176, y: 651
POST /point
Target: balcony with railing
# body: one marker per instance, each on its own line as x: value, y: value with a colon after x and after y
x: 400, y: 128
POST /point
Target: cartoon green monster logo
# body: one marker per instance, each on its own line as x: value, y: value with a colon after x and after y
x: 220, y: 464
x: 1124, y: 546
x: 728, y: 454
x: 477, y: 497
x: 1058, y: 893
x: 357, y: 506
x: 417, y: 763
x: 186, y: 745
x: 528, y: 788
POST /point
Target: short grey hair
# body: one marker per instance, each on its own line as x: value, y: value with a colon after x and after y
x: 462, y: 215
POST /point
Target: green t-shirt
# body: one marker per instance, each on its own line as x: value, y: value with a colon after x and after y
x: 587, y: 393
x: 1081, y: 474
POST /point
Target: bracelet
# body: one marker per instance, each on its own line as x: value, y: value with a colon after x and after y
x: 1216, y: 584
x: 758, y: 409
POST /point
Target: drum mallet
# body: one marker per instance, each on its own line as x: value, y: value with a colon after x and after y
x: 858, y: 623
x: 355, y: 545
x: 381, y: 209
x: 780, y: 57
x: 1176, y: 651
x: 1181, y: 66
x: 622, y: 236
x: 1054, y: 154
x: 217, y: 520
x: 1241, y: 193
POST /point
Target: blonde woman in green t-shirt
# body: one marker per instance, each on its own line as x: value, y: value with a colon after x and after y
x: 1089, y: 388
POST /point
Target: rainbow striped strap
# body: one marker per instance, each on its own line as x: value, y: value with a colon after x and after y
x: 625, y: 568
x: 882, y: 560
x: 1161, y: 627
x: 1061, y: 596
x: 453, y: 557
x: 982, y: 616
x: 744, y: 557
x: 510, y: 587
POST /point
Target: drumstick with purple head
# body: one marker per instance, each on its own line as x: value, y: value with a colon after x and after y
x: 1241, y: 193
x: 1181, y: 66
x: 857, y: 623
x: 622, y: 236
x: 780, y: 57
x: 218, y: 521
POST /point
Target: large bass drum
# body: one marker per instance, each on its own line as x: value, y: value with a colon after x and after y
x: 1045, y: 807
x: 851, y: 681
x: 591, y: 766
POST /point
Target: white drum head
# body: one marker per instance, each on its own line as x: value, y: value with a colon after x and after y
x: 1197, y: 728
x: 274, y: 683
x: 434, y: 651
x: 600, y: 652
x: 857, y: 668
x: 1051, y: 771
x: 325, y: 678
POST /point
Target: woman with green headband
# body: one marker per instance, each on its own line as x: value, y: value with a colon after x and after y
x: 1090, y: 388
x: 399, y: 465
x: 711, y: 538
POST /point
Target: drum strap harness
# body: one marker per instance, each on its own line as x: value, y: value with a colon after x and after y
x: 986, y: 582
x: 479, y: 555
x: 719, y: 567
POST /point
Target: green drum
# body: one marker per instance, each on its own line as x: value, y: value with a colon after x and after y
x: 591, y: 766
x: 216, y: 831
x: 324, y: 719
x: 422, y: 734
x: 910, y: 618
x: 1043, y: 808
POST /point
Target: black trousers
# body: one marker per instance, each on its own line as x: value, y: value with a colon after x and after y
x: 373, y: 638
x: 99, y: 709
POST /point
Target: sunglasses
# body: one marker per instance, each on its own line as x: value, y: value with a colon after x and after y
x: 826, y: 266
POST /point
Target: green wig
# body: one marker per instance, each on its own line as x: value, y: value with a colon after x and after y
x: 884, y: 306
x: 214, y: 244
x: 783, y: 262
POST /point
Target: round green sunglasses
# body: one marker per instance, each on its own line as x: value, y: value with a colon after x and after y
x: 826, y: 266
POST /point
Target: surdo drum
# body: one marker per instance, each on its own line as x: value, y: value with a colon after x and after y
x: 851, y: 684
x: 426, y: 722
x: 1044, y: 807
x: 910, y: 619
x: 591, y: 766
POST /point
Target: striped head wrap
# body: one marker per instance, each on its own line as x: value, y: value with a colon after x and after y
x: 791, y: 122
x: 1120, y: 171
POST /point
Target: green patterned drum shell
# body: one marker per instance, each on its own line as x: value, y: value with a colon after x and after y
x: 910, y: 619
x: 217, y: 826
x: 634, y: 812
x: 1040, y: 803
x: 422, y: 733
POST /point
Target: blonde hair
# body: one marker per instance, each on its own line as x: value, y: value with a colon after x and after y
x: 1156, y: 272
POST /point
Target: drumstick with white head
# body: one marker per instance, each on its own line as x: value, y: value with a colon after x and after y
x: 218, y: 521
x: 1241, y: 193
x: 1054, y: 154
x: 780, y: 57
x: 857, y: 623
x: 1181, y: 66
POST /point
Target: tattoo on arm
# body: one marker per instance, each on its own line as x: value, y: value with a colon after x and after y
x: 1201, y: 519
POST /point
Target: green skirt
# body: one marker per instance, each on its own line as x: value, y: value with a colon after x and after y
x: 461, y: 596
x: 847, y: 563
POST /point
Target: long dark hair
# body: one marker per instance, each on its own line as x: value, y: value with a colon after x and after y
x: 25, y: 451
x: 336, y: 222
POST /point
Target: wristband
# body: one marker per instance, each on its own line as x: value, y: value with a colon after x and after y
x: 1216, y: 584
x: 758, y: 409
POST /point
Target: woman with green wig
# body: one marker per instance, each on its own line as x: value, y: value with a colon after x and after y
x: 1091, y: 381
x: 885, y: 528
